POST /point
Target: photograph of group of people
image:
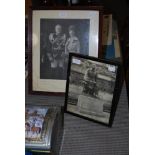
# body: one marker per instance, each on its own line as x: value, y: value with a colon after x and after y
x: 59, y: 37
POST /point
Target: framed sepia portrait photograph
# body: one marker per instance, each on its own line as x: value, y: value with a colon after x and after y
x: 92, y: 88
x: 54, y: 33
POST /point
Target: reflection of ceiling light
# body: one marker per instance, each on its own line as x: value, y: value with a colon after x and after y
x: 76, y: 61
x: 111, y: 68
x: 34, y: 39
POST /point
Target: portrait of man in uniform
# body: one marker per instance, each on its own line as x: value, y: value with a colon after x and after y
x: 91, y: 88
x: 57, y: 40
x: 90, y: 77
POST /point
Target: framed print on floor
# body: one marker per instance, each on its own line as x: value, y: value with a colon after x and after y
x: 92, y: 88
x: 53, y: 34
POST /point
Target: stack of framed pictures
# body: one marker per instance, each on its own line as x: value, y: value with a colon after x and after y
x: 65, y: 47
x: 43, y: 129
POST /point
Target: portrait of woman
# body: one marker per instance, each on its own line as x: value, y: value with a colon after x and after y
x: 72, y: 44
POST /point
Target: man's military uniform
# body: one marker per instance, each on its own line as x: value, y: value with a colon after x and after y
x: 90, y: 75
x: 58, y: 49
x: 90, y: 82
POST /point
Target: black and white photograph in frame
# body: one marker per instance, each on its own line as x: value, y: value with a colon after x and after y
x: 90, y: 88
x: 55, y: 34
x: 59, y: 37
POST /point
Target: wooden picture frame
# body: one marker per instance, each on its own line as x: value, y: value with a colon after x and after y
x: 93, y: 88
x: 47, y: 70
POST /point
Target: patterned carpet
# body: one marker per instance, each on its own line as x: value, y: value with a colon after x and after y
x: 82, y: 137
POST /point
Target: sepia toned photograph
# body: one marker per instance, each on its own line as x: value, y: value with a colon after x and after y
x: 90, y: 88
x: 56, y: 33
